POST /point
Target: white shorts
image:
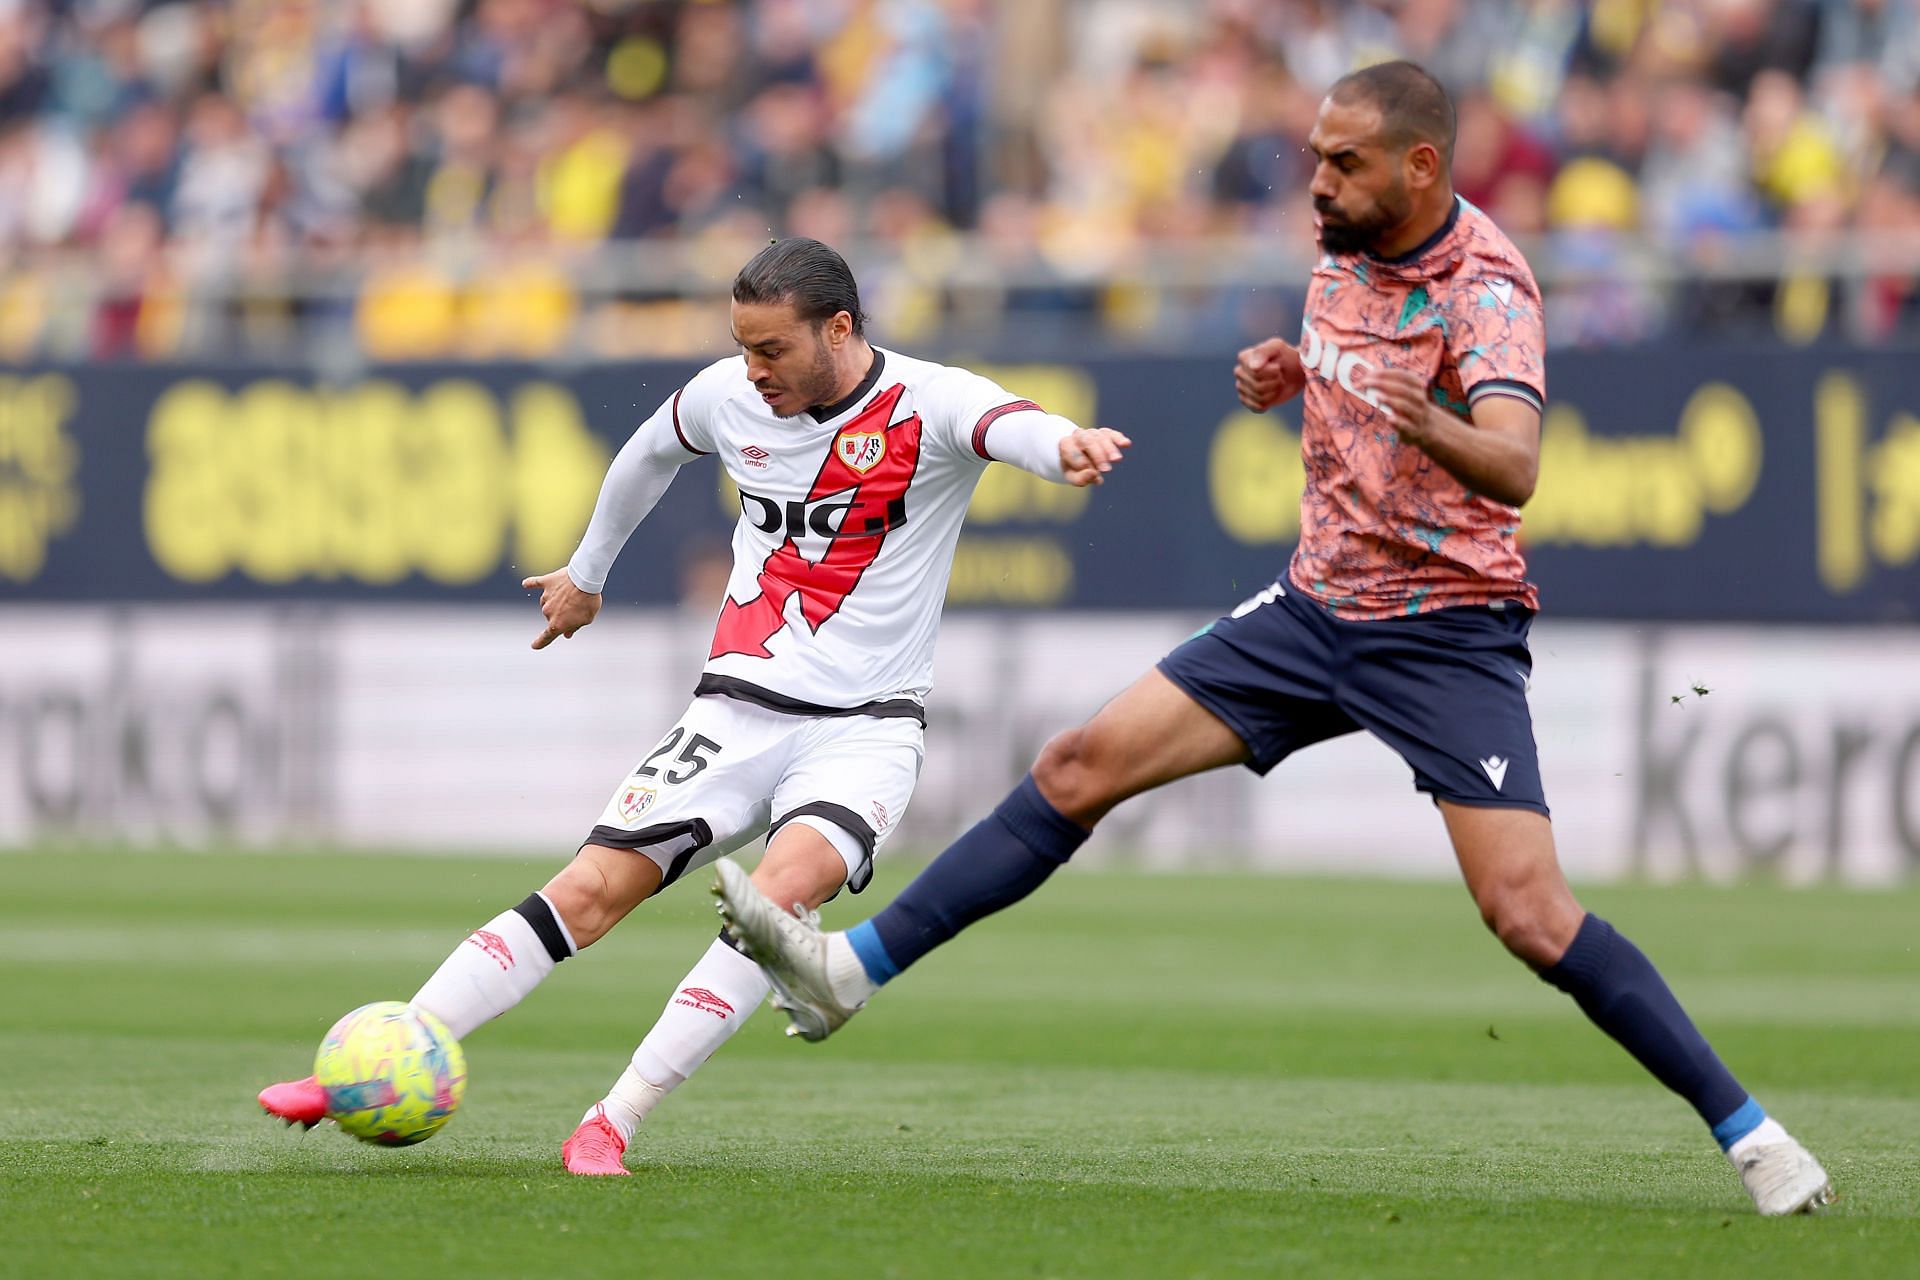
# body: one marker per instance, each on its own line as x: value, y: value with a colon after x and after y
x: 731, y: 771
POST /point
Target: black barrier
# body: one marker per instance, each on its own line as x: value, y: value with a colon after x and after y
x: 1775, y: 485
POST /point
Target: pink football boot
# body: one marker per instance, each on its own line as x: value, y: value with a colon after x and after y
x: 594, y: 1149
x: 301, y: 1102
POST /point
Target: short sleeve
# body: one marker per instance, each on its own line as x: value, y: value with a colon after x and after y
x: 1496, y: 333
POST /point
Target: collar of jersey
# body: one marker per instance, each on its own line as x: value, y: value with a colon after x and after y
x: 828, y: 412
x: 1419, y: 251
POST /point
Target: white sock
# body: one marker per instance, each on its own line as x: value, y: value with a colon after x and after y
x: 846, y: 975
x: 499, y: 963
x: 632, y: 1096
x: 713, y: 1000
x: 1768, y: 1133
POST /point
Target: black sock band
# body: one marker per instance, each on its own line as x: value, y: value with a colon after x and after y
x: 546, y: 926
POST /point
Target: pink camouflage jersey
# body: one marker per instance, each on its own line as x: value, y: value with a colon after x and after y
x: 1386, y: 531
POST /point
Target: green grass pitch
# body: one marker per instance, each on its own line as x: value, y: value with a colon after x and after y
x: 1130, y: 1075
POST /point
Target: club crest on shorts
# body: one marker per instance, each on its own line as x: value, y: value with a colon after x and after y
x: 636, y: 800
x: 861, y: 450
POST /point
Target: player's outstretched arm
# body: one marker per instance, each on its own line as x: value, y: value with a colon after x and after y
x: 1088, y: 453
x: 563, y: 604
x: 1050, y: 446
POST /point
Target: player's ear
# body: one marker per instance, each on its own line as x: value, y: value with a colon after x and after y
x: 1423, y: 165
x: 839, y: 329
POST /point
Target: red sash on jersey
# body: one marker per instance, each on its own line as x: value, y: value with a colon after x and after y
x: 870, y: 463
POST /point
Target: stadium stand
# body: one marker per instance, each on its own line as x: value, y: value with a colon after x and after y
x: 512, y: 178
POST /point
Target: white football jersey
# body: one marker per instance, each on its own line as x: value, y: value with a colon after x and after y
x: 849, y: 515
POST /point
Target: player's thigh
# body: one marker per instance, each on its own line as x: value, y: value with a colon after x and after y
x: 1508, y: 860
x: 1448, y: 691
x: 702, y: 790
x: 1251, y: 688
x: 1151, y: 734
x: 1266, y: 671
x: 850, y: 780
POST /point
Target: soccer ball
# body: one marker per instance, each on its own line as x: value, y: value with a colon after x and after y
x: 393, y: 1073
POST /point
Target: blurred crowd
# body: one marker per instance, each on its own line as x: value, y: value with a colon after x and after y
x: 481, y: 178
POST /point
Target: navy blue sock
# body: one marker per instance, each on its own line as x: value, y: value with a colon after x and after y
x: 1005, y: 857
x: 1615, y: 984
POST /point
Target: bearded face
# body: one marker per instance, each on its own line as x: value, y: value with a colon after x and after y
x: 789, y: 359
x: 1362, y: 192
x: 816, y: 383
x: 1359, y: 226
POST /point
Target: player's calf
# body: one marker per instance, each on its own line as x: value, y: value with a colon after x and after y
x: 1619, y: 989
x: 793, y: 953
x: 497, y: 966
x: 711, y: 1003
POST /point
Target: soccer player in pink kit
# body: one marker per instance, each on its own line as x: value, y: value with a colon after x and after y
x: 855, y: 466
x: 1405, y: 613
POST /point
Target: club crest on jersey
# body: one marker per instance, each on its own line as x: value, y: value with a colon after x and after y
x: 636, y: 800
x: 861, y: 450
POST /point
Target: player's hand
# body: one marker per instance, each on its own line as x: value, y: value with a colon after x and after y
x: 1269, y: 373
x: 1403, y: 398
x: 565, y: 607
x: 1087, y: 455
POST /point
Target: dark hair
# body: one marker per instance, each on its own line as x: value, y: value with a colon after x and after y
x: 1413, y: 107
x: 810, y: 275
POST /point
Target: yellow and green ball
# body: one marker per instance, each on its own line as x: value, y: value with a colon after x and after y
x: 393, y: 1073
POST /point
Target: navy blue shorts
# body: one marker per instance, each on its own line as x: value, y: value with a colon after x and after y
x: 1447, y: 689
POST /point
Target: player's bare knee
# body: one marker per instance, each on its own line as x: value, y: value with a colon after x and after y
x: 1055, y: 768
x: 586, y: 901
x: 1525, y: 936
x: 579, y: 910
x: 1523, y: 918
x: 1070, y: 775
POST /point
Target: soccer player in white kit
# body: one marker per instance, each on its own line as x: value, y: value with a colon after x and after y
x: 855, y: 466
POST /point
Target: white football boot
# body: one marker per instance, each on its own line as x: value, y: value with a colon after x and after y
x: 790, y: 948
x: 1781, y: 1175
